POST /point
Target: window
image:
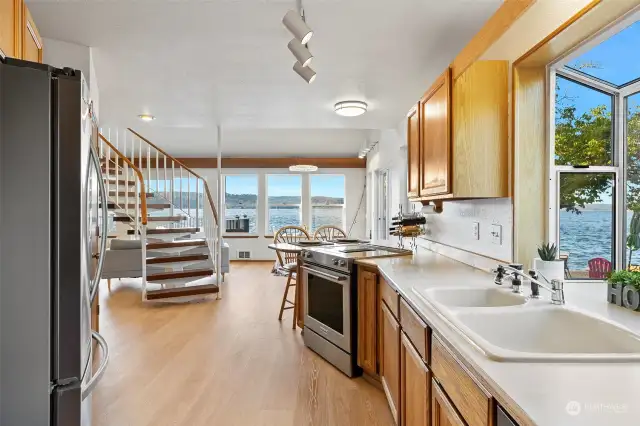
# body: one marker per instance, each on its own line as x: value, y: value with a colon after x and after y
x: 595, y: 160
x: 241, y: 203
x: 284, y: 196
x: 583, y: 125
x: 327, y: 200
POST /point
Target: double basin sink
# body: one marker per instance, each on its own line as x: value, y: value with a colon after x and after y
x: 508, y: 327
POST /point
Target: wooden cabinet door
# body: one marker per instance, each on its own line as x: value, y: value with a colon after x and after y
x: 413, y: 152
x: 435, y: 138
x: 9, y: 24
x: 390, y: 363
x: 31, y: 40
x: 415, y: 383
x: 367, y: 321
x: 443, y: 413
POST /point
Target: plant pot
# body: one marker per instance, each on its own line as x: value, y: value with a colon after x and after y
x: 626, y: 296
x: 551, y: 269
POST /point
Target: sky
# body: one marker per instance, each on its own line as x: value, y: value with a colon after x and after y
x: 287, y: 185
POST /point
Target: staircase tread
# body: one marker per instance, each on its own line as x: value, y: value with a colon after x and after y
x: 158, y: 206
x: 172, y: 244
x: 182, y: 291
x: 112, y: 193
x: 160, y: 231
x: 180, y: 274
x: 180, y: 258
x: 153, y: 219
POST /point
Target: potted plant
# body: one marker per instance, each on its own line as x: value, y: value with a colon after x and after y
x: 624, y: 289
x: 548, y: 264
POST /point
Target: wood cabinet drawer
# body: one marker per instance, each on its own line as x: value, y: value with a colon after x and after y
x: 390, y: 297
x: 473, y: 402
x: 415, y: 329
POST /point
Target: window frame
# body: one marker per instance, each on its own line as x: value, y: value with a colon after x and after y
x: 224, y: 205
x: 344, y: 200
x: 619, y: 156
x: 267, y: 230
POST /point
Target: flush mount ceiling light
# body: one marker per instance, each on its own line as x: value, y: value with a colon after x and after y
x: 305, y: 72
x: 297, y: 26
x: 350, y: 108
x: 146, y: 117
x: 301, y: 52
x: 303, y: 168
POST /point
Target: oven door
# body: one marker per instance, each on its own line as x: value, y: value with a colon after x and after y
x: 327, y: 303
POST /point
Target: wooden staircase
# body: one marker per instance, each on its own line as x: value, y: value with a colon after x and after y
x: 178, y: 246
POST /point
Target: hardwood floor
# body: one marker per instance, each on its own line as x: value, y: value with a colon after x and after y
x: 221, y: 363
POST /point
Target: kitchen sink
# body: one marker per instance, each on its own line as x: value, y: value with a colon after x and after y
x: 473, y: 297
x: 547, y: 334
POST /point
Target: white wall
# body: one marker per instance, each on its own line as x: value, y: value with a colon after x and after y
x: 354, y: 186
x: 62, y: 54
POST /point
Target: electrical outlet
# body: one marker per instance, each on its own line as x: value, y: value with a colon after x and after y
x: 476, y: 230
x: 496, y: 234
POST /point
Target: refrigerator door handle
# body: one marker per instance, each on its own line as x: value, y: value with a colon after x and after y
x: 105, y: 225
x: 86, y: 390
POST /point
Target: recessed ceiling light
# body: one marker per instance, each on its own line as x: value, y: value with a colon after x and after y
x: 294, y: 23
x: 301, y: 52
x: 146, y: 117
x: 305, y: 72
x: 350, y: 108
x: 303, y: 168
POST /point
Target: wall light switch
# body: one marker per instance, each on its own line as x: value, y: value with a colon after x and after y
x: 496, y: 234
x: 476, y: 230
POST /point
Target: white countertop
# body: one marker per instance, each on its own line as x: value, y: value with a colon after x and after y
x: 534, y: 393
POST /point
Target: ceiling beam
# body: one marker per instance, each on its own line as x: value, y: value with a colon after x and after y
x: 265, y: 163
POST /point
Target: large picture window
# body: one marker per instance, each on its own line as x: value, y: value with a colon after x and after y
x: 595, y: 164
x: 241, y: 203
x: 327, y: 200
x: 284, y: 197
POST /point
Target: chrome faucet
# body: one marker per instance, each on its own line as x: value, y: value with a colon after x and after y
x: 555, y: 287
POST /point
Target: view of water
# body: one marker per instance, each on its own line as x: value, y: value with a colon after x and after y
x: 588, y: 235
x: 290, y: 216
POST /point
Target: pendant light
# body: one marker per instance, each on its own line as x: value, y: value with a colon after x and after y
x: 300, y: 51
x: 297, y: 26
x: 305, y: 72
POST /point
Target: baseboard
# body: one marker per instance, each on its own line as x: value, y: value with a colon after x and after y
x: 251, y: 261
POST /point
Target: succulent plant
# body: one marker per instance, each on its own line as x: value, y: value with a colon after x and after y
x: 548, y: 252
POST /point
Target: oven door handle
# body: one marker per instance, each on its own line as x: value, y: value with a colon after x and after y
x: 324, y: 274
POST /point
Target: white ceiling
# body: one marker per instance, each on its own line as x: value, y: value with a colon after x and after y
x: 197, y: 63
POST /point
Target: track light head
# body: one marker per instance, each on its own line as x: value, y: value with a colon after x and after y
x: 296, y: 25
x: 305, y: 72
x: 300, y: 51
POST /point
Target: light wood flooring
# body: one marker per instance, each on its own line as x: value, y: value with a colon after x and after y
x: 221, y: 363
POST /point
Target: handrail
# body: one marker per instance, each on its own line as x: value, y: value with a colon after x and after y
x: 166, y: 154
x: 143, y: 192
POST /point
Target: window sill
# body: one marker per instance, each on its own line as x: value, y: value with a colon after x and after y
x: 236, y: 236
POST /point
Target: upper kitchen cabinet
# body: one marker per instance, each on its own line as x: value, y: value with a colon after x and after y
x: 435, y: 138
x: 19, y: 36
x: 31, y: 40
x: 10, y: 18
x: 462, y: 137
x: 413, y: 151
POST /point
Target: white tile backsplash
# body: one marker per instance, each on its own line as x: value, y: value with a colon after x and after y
x: 455, y: 227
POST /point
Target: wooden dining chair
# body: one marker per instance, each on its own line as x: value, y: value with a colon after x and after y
x: 289, y: 262
x: 329, y: 232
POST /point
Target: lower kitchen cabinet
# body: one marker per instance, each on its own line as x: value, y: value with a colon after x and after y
x: 415, y: 384
x: 368, y: 306
x: 444, y: 413
x: 390, y: 362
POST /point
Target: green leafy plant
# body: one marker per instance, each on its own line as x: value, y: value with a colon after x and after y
x: 548, y: 252
x: 625, y: 277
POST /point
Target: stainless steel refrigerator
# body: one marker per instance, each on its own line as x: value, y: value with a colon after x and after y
x: 50, y: 224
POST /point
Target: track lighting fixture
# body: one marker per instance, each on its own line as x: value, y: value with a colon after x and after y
x: 301, y: 52
x: 297, y: 26
x: 305, y: 72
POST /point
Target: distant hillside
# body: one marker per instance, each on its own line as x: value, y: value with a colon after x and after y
x: 249, y: 201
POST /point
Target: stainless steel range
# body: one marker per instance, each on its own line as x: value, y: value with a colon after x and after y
x: 330, y: 298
